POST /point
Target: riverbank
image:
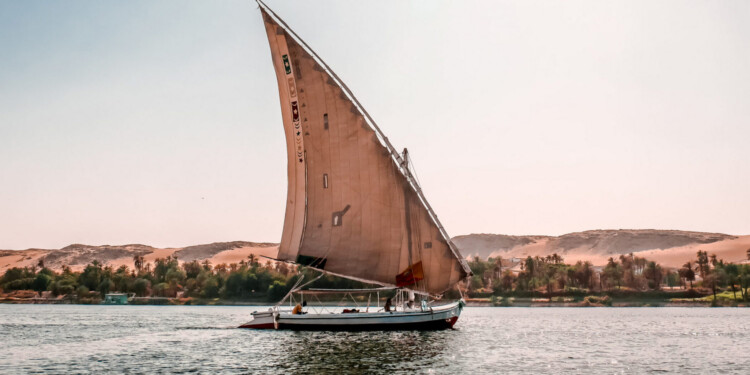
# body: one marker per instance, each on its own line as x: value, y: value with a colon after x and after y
x: 630, y: 303
x: 587, y: 301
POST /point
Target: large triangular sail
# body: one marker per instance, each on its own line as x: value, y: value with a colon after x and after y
x: 353, y: 208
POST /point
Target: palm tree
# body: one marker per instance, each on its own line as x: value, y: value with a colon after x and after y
x: 508, y: 278
x: 556, y: 258
x: 138, y: 262
x: 744, y: 277
x: 613, y: 273
x: 713, y: 280
x: 702, y: 263
x: 628, y: 269
x: 496, y: 271
x: 654, y: 274
x: 687, y: 273
x: 561, y: 277
x: 640, y: 264
x: 732, y: 275
x: 530, y: 265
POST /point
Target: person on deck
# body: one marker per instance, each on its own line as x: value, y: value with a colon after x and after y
x: 298, y: 309
x: 387, y: 306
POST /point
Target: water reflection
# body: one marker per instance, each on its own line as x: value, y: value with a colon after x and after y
x: 360, y: 351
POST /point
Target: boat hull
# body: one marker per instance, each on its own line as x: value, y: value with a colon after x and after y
x: 436, y: 318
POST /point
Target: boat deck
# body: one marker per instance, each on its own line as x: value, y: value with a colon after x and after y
x: 433, y: 318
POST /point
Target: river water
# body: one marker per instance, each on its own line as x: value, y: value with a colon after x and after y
x: 202, y: 339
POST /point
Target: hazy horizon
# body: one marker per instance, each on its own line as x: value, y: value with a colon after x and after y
x: 159, y: 122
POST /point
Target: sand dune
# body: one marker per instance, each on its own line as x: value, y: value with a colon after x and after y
x: 668, y: 247
x: 77, y: 256
x: 734, y: 250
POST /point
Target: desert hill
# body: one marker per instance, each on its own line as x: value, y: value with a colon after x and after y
x: 669, y: 247
x: 78, y: 256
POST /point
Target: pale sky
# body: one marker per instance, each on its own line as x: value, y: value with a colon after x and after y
x: 158, y: 122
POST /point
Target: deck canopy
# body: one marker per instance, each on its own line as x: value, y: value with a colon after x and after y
x: 314, y: 291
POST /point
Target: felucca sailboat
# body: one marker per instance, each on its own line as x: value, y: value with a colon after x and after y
x: 353, y: 208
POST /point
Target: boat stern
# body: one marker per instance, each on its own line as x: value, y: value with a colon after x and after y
x: 261, y: 320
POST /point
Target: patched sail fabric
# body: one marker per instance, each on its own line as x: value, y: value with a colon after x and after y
x: 350, y: 209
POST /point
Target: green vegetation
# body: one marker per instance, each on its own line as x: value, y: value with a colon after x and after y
x: 500, y: 282
x: 245, y: 281
x: 627, y: 278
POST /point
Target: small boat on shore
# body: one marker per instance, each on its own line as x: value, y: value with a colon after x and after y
x: 116, y: 299
x: 354, y: 208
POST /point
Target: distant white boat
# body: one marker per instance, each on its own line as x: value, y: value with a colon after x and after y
x: 354, y: 208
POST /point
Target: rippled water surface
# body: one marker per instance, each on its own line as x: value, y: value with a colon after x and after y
x: 176, y: 339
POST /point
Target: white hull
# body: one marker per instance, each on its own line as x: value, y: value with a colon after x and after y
x: 436, y: 317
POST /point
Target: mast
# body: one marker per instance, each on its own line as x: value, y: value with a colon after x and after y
x: 382, y: 138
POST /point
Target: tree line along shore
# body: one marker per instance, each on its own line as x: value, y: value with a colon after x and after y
x: 627, y: 280
x: 534, y: 281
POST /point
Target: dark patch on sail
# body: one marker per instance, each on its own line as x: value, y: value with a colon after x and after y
x: 325, y: 121
x: 266, y: 17
x: 338, y: 217
x: 411, y: 275
x: 366, y: 126
x: 306, y: 260
x: 293, y: 45
x: 428, y: 245
x: 297, y: 68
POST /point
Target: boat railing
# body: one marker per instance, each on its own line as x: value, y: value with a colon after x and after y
x: 402, y: 301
